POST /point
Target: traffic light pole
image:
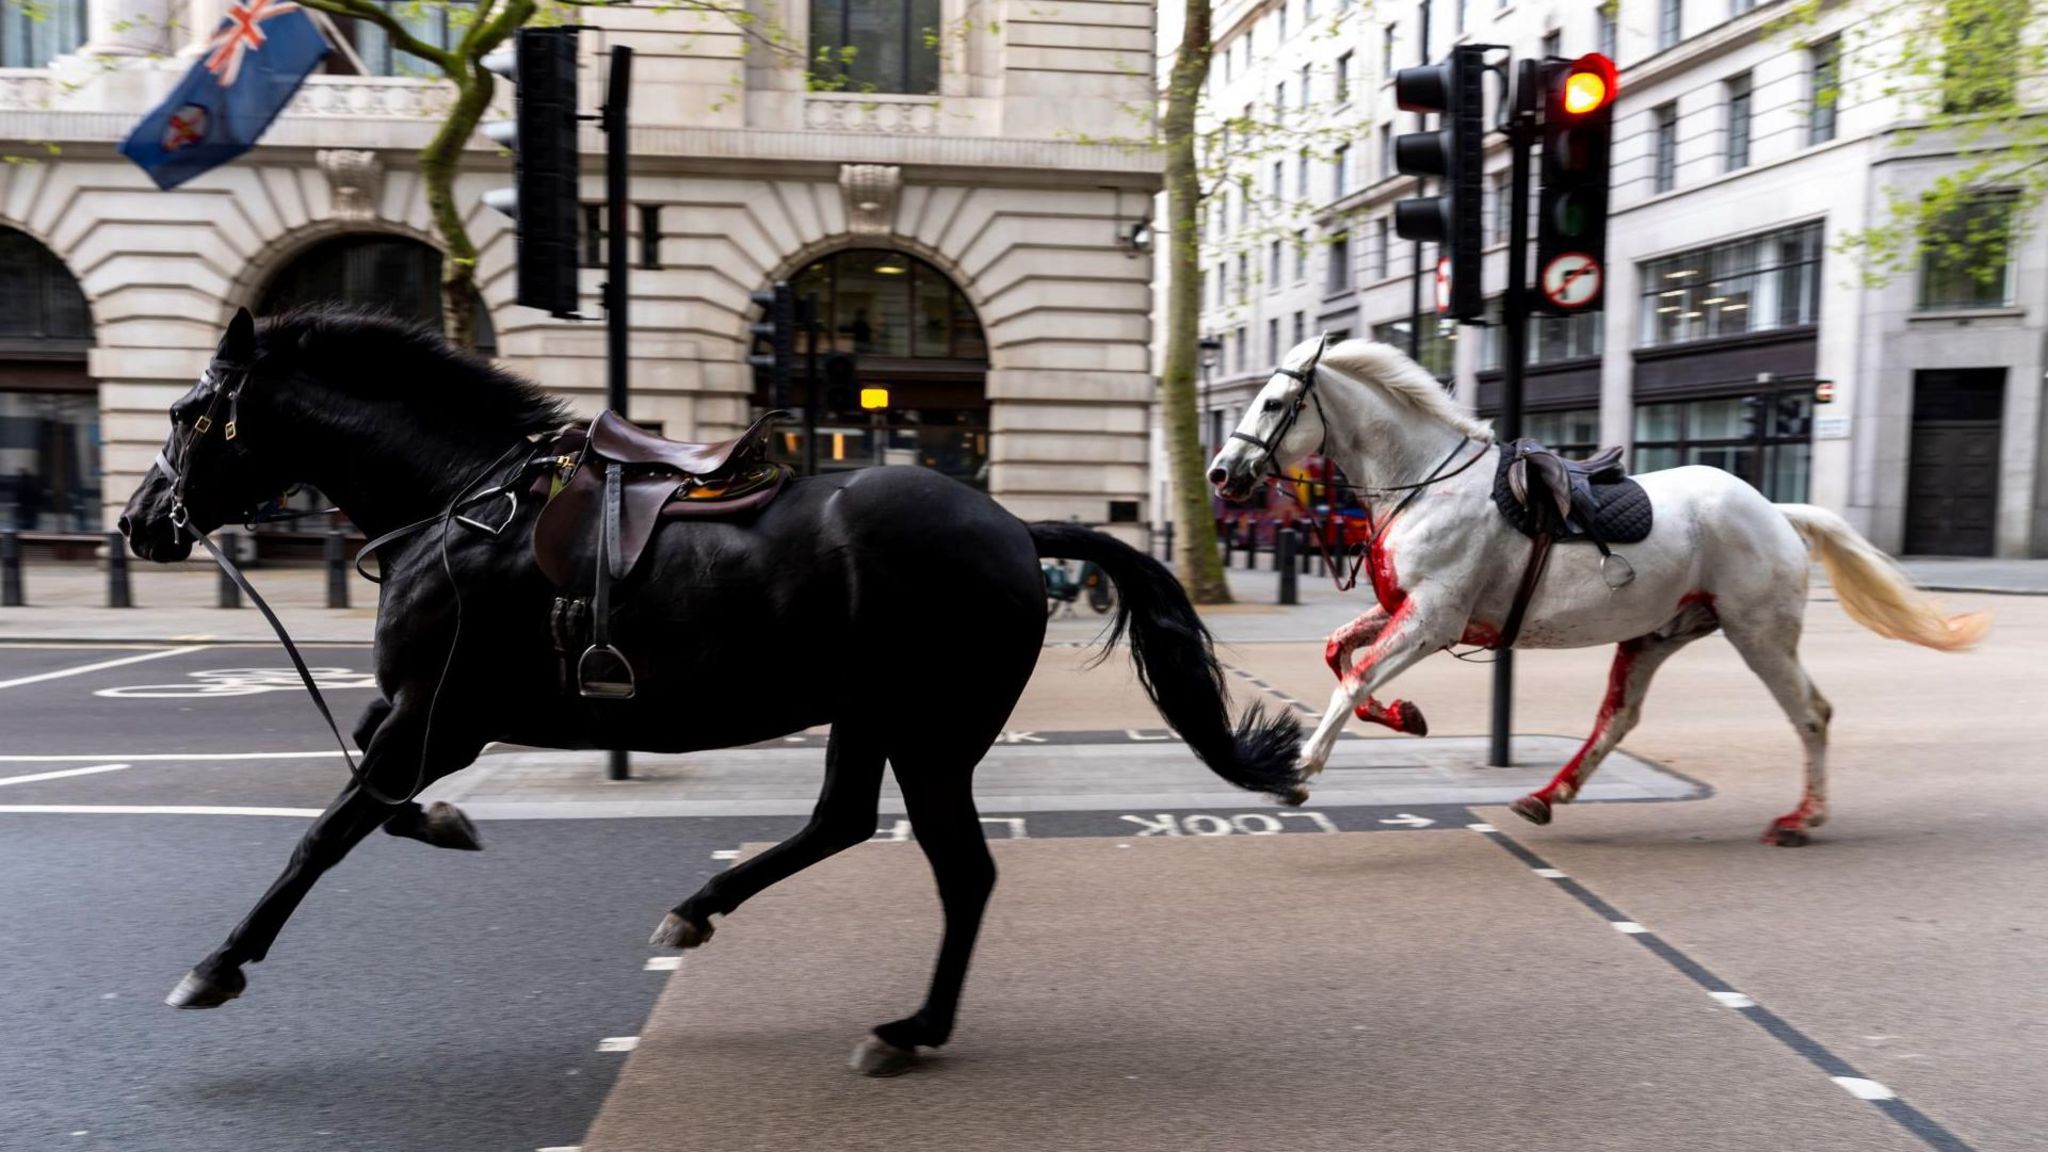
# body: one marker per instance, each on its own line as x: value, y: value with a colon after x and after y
x: 1514, y: 330
x: 617, y: 157
x: 811, y: 389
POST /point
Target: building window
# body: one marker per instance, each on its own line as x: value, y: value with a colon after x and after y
x: 1280, y: 103
x: 1979, y: 34
x: 1300, y: 328
x: 1763, y: 435
x: 1283, y: 22
x: 650, y: 236
x: 1340, y: 170
x: 1755, y: 284
x: 1387, y: 38
x: 1553, y: 43
x: 1387, y: 171
x: 1308, y: 12
x: 1606, y: 32
x: 1273, y: 339
x: 1497, y: 200
x: 32, y: 35
x: 1279, y: 180
x: 1337, y: 277
x: 1241, y: 342
x: 1459, y: 16
x: 1300, y: 256
x: 1551, y: 340
x: 1304, y: 87
x: 1738, y: 122
x: 1343, y: 93
x: 50, y: 438
x: 1381, y: 246
x: 1437, y: 351
x: 1669, y: 28
x: 1966, y: 258
x: 1273, y: 267
x: 593, y: 235
x: 1665, y: 177
x: 439, y: 25
x: 1825, y: 63
x: 1244, y: 277
x: 877, y: 45
x: 1301, y: 168
x: 1244, y: 201
x: 1222, y: 284
x: 1738, y: 7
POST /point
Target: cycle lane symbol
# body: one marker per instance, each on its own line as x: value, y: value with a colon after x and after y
x: 217, y: 682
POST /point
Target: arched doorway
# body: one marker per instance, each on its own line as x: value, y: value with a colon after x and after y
x: 49, y: 406
x: 396, y: 273
x: 894, y: 323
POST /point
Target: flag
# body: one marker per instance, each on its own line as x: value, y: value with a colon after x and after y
x: 257, y: 58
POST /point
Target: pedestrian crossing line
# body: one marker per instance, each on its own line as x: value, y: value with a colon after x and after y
x: 618, y: 1044
x: 61, y: 773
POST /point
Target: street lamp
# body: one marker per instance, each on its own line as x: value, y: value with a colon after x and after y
x: 1211, y: 348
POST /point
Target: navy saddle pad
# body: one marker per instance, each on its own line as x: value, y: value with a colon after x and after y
x: 1621, y: 509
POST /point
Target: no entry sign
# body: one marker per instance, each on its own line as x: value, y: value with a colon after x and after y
x: 1571, y: 280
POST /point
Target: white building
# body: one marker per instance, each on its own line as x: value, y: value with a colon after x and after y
x: 1727, y: 299
x: 971, y: 246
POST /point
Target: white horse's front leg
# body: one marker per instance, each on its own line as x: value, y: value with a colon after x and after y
x: 1413, y: 631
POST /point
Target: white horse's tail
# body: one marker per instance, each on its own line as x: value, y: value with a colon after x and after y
x: 1874, y: 591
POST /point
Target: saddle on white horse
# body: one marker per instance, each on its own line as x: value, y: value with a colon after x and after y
x: 1553, y: 500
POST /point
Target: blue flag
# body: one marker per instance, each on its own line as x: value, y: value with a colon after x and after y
x: 258, y: 57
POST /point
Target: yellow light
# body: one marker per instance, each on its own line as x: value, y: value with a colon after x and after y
x: 839, y: 445
x: 873, y: 398
x: 1584, y: 92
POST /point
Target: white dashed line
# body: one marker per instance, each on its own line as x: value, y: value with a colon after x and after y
x: 618, y: 1044
x: 149, y: 810
x: 1863, y: 1089
x: 1549, y: 873
x: 1629, y: 927
x: 1480, y: 827
x: 60, y: 773
x: 1733, y: 1000
x: 82, y: 669
x: 663, y: 963
x: 562, y: 1148
x: 726, y: 854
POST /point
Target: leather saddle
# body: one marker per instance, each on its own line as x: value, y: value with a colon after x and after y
x: 1554, y: 500
x: 612, y: 485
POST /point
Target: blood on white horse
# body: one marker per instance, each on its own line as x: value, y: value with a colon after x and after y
x: 1444, y: 568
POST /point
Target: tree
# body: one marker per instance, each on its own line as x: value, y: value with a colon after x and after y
x: 1973, y: 86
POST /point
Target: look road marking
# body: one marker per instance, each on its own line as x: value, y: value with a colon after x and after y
x: 82, y: 669
x: 149, y: 810
x: 61, y: 772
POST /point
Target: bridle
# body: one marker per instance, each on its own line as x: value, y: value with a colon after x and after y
x: 227, y: 382
x: 1306, y: 377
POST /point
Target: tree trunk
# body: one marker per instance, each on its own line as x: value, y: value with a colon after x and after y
x: 440, y: 160
x: 1200, y: 567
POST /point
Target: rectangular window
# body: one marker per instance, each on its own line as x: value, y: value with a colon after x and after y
x: 1966, y: 258
x: 650, y: 235
x: 1244, y: 276
x: 1497, y: 200
x: 1738, y: 122
x: 1756, y: 284
x: 1984, y: 40
x: 32, y: 35
x: 1387, y: 152
x: 1222, y: 284
x: 1283, y: 21
x: 1244, y: 201
x: 1301, y: 168
x: 1242, y: 342
x: 1764, y: 435
x: 1738, y: 7
x: 1279, y: 181
x: 1824, y: 62
x: 1666, y: 174
x: 1280, y: 103
x: 1300, y: 328
x: 1551, y: 339
x: 1553, y: 43
x: 1303, y: 88
x: 593, y: 235
x: 1387, y: 38
x: 1273, y: 266
x: 1273, y: 339
x: 1300, y: 256
x: 1669, y: 29
x: 877, y: 45
x: 1343, y: 94
x: 1436, y: 351
x: 1458, y: 16
x: 1337, y: 277
x: 1308, y: 12
x: 1340, y: 170
x: 1606, y: 32
x: 1381, y: 248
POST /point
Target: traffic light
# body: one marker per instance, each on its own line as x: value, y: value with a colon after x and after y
x: 1455, y: 88
x: 777, y: 326
x: 1571, y: 205
x: 842, y: 391
x: 541, y: 63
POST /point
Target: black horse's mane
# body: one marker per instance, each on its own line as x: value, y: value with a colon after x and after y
x: 372, y: 353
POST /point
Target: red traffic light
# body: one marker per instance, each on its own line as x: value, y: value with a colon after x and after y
x: 1588, y: 85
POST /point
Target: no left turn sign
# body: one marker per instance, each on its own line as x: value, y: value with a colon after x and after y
x: 1571, y: 280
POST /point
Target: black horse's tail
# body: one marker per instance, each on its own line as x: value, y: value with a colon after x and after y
x: 1178, y: 667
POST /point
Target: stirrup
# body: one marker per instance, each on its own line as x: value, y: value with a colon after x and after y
x: 611, y: 679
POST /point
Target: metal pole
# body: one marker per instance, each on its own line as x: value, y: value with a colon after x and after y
x: 337, y: 570
x: 1169, y: 542
x: 811, y: 382
x: 1421, y: 189
x: 1228, y: 535
x: 229, y: 594
x: 118, y: 594
x: 10, y: 569
x: 617, y: 156
x: 1514, y: 343
x: 1283, y: 555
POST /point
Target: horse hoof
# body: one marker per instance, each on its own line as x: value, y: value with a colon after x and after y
x: 874, y: 1056
x: 1787, y: 836
x: 1294, y: 797
x: 1533, y: 808
x: 201, y: 991
x: 447, y: 827
x: 1411, y: 719
x: 676, y: 932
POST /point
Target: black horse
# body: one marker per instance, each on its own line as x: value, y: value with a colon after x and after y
x: 898, y: 606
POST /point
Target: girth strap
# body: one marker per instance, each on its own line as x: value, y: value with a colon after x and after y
x: 1539, y: 557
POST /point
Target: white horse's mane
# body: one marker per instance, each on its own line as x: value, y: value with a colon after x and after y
x: 1385, y: 366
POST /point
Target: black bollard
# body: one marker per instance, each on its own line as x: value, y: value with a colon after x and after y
x: 1307, y: 553
x: 1284, y: 546
x: 337, y: 570
x: 1251, y: 545
x: 118, y: 594
x: 1228, y: 536
x: 1151, y: 544
x: 1169, y: 542
x: 10, y: 569
x: 230, y: 595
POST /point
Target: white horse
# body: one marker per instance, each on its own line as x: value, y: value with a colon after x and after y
x: 1445, y: 564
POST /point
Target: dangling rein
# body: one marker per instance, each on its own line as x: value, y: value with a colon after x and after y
x: 1376, y: 527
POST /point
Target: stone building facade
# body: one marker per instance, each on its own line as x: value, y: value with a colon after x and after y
x: 982, y: 248
x: 1732, y: 312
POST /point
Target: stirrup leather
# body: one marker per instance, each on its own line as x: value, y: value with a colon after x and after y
x: 603, y: 672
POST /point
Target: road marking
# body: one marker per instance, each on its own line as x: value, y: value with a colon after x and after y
x: 1733, y: 999
x: 1480, y: 827
x: 148, y: 810
x: 1629, y: 927
x: 1549, y: 873
x: 82, y: 669
x: 561, y: 1148
x: 726, y: 854
x: 1863, y: 1089
x: 1409, y: 819
x: 166, y: 757
x: 618, y: 1044
x: 663, y: 963
x: 61, y: 772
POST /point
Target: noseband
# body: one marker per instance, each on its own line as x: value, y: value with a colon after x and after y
x: 1306, y: 375
x: 227, y: 381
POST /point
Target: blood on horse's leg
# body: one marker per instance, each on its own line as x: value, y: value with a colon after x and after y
x: 1401, y: 716
x: 1772, y: 653
x: 1628, y: 681
x: 1410, y: 634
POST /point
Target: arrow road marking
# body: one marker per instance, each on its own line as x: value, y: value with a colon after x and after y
x: 1410, y: 820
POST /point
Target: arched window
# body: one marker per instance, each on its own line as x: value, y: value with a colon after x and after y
x: 876, y: 45
x: 49, y: 407
x: 400, y: 275
x: 33, y: 34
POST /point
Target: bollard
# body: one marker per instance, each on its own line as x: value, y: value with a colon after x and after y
x: 230, y: 595
x: 1307, y: 553
x: 1228, y: 538
x: 10, y: 569
x: 1251, y: 544
x: 118, y: 594
x: 1151, y: 545
x: 1284, y: 546
x: 337, y: 570
x: 1169, y: 542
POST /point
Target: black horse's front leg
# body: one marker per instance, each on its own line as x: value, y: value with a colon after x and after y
x: 440, y: 824
x: 353, y: 815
